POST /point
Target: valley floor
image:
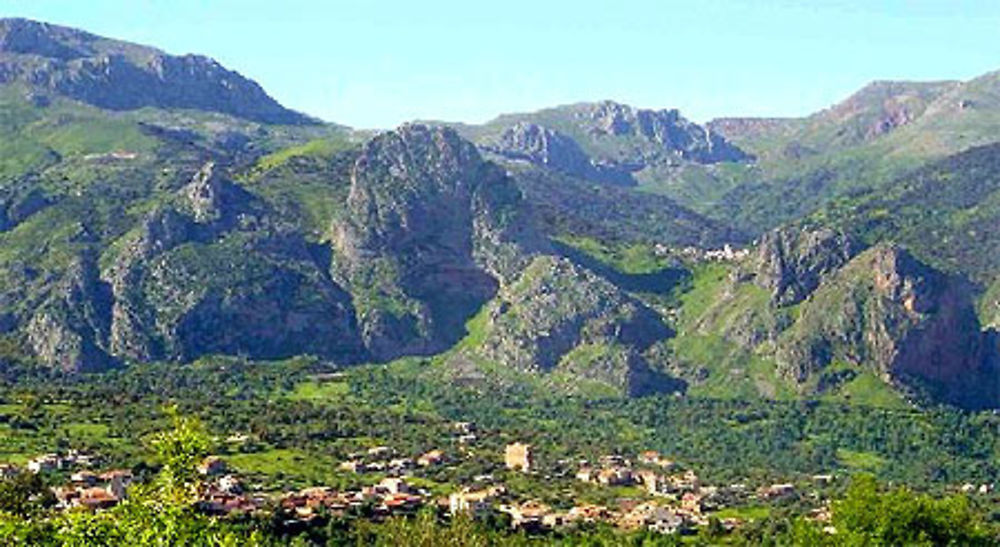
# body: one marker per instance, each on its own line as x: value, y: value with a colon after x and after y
x: 314, y: 445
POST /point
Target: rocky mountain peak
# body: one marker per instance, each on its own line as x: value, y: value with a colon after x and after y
x: 429, y: 231
x: 395, y: 176
x: 613, y: 118
x: 667, y: 129
x: 539, y: 145
x: 912, y: 324
x: 882, y: 107
x: 217, y: 202
x: 118, y: 75
x: 791, y: 262
x: 526, y: 141
x: 25, y: 36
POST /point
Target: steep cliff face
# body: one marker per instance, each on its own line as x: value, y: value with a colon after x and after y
x: 261, y: 295
x: 426, y: 235
x: 121, y: 76
x: 542, y: 146
x: 819, y: 312
x: 617, y: 139
x: 422, y: 242
x: 666, y: 128
x: 559, y: 318
x: 432, y: 233
x: 69, y: 331
x: 791, y: 263
x: 580, y: 152
x: 211, y: 273
x: 906, y: 321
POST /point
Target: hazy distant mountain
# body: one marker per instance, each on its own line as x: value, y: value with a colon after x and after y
x: 883, y: 131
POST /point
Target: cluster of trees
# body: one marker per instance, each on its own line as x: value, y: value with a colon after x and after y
x: 723, y: 440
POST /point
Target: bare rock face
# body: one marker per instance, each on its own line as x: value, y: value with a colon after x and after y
x: 888, y: 311
x: 212, y: 274
x: 160, y: 231
x: 121, y: 76
x: 542, y: 146
x: 261, y: 295
x: 561, y: 318
x: 70, y: 330
x: 791, y: 263
x: 884, y: 106
x: 431, y: 230
x: 666, y: 128
x: 204, y: 193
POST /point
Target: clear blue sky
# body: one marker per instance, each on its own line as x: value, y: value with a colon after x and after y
x: 378, y: 63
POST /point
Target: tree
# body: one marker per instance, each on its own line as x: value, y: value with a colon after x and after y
x: 870, y: 515
x: 159, y: 514
x: 24, y: 495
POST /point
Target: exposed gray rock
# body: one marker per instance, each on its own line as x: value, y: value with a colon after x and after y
x: 217, y: 204
x: 559, y: 316
x: 542, y: 146
x: 791, y: 262
x: 69, y: 330
x: 121, y: 76
x: 215, y: 275
x: 429, y: 229
x: 904, y: 319
x: 204, y: 194
x: 667, y: 128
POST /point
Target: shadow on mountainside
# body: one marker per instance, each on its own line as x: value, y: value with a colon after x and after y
x: 659, y: 282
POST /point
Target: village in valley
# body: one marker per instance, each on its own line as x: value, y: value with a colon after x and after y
x: 643, y: 491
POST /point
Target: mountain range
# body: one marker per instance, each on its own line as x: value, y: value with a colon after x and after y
x: 164, y: 208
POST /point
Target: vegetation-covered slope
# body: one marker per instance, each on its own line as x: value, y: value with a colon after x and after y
x: 170, y: 230
x: 121, y: 76
x: 884, y: 131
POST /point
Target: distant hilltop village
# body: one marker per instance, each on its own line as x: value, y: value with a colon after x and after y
x: 726, y: 254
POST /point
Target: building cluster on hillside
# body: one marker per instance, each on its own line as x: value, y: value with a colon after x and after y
x: 72, y: 459
x: 475, y: 502
x: 224, y: 492
x: 726, y: 254
x: 385, y: 459
x: 391, y: 496
x: 683, y: 505
x: 93, y: 490
x: 86, y: 488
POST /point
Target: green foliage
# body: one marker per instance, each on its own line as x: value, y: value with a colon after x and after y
x: 24, y: 495
x: 869, y: 516
x: 945, y: 213
x: 180, y: 449
x: 630, y: 258
x: 314, y: 148
x: 161, y: 513
x: 869, y: 390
